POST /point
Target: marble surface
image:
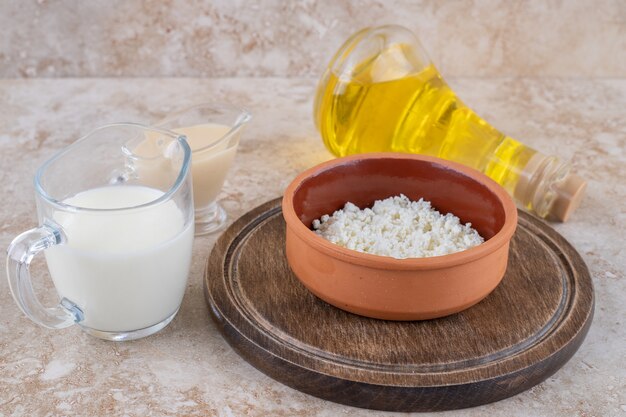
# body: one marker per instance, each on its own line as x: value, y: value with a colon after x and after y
x: 74, y: 38
x: 188, y: 368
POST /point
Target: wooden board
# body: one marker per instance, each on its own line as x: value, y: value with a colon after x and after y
x: 518, y: 336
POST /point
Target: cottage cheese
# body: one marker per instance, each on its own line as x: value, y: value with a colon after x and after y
x: 399, y: 228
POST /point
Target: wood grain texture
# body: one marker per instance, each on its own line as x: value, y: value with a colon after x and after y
x: 523, y: 332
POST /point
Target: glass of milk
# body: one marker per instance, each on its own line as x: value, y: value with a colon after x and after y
x: 213, y: 131
x: 117, y: 238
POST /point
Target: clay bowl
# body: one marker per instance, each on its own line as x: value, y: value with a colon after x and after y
x: 388, y: 288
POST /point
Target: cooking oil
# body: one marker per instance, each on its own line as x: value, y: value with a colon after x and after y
x: 382, y: 94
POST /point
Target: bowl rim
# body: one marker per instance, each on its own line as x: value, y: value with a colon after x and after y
x: 502, y: 237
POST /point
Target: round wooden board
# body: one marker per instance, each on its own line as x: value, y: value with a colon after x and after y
x: 522, y: 333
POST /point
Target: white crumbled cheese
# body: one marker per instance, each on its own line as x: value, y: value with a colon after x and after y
x: 399, y: 228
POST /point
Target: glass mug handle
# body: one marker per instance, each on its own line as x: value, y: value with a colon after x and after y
x: 19, y: 256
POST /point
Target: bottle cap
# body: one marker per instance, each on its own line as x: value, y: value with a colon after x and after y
x: 569, y: 194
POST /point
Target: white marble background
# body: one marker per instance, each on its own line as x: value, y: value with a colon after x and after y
x: 551, y: 73
x: 235, y: 38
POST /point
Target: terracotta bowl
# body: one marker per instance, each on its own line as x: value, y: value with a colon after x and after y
x: 388, y: 288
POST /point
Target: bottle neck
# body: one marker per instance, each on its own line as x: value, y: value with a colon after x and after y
x: 547, y: 187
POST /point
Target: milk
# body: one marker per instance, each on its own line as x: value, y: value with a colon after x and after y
x: 126, y: 270
x: 210, y: 160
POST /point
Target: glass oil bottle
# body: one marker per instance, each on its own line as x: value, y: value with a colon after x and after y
x: 381, y: 93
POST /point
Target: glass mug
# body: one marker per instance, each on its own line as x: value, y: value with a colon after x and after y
x: 213, y: 131
x: 116, y: 227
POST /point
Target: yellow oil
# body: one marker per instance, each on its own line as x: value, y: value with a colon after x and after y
x: 415, y: 113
